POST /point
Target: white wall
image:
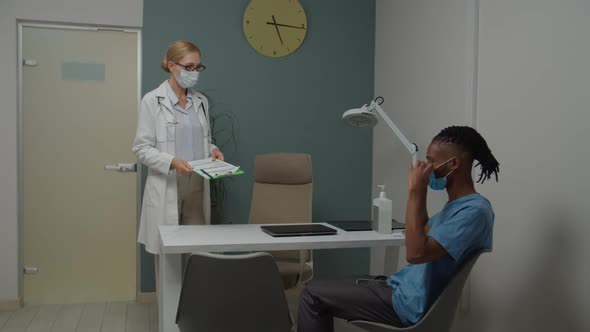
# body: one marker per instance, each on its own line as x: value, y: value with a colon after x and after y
x: 424, y: 70
x: 533, y: 107
x: 127, y: 13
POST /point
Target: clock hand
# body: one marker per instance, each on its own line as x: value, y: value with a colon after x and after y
x: 276, y: 27
x: 285, y: 25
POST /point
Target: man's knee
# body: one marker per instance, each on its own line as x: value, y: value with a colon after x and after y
x: 309, y: 294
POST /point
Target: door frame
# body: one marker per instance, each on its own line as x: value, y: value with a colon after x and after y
x: 20, y: 162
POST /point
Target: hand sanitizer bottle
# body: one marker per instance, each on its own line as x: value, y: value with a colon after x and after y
x: 382, y: 207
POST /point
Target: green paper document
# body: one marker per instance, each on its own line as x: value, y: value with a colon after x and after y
x: 214, y: 169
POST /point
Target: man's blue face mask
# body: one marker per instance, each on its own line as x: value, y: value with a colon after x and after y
x: 438, y: 183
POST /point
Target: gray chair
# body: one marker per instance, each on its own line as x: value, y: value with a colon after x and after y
x: 229, y: 293
x: 439, y: 317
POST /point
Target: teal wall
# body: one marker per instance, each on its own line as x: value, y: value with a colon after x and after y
x: 289, y: 104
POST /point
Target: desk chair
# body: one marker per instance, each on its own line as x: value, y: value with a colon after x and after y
x: 283, y: 189
x: 229, y: 293
x: 439, y: 317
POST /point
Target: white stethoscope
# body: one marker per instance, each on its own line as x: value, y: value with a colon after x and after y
x: 175, y: 121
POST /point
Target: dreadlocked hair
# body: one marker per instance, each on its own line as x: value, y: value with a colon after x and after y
x: 469, y: 140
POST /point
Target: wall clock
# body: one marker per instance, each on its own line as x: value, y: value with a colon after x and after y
x: 275, y: 28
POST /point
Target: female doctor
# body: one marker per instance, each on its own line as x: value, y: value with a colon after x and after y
x: 173, y: 128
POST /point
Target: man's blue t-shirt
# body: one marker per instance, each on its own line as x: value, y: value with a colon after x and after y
x: 463, y: 227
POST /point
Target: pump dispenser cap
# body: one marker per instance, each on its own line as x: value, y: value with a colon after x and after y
x: 382, y: 193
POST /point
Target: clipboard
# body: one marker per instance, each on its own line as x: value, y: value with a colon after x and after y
x: 214, y: 169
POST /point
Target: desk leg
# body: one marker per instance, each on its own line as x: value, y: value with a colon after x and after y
x: 384, y: 260
x: 169, y: 289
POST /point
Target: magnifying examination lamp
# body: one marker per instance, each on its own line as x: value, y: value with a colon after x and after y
x: 366, y: 116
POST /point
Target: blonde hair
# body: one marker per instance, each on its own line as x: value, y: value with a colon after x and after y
x: 178, y: 50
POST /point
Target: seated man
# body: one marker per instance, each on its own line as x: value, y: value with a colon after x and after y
x: 436, y: 247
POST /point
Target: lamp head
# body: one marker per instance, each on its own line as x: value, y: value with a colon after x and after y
x: 360, y: 117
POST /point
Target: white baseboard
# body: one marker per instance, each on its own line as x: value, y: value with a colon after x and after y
x: 147, y: 297
x: 10, y: 305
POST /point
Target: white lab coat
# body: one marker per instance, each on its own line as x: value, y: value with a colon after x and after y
x: 155, y: 147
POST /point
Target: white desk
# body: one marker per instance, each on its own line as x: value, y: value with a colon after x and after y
x: 177, y: 240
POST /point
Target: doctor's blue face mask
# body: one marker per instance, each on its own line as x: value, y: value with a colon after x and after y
x: 187, y: 79
x: 439, y: 183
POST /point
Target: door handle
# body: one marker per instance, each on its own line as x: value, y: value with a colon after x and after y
x: 121, y: 168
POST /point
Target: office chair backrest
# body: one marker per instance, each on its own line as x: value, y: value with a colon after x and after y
x: 441, y: 314
x: 283, y: 190
x: 229, y: 293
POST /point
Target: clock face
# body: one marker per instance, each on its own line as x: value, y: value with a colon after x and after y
x: 275, y: 28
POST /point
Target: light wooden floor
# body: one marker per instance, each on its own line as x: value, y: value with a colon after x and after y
x: 107, y: 317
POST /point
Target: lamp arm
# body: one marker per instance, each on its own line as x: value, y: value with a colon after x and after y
x: 412, y: 148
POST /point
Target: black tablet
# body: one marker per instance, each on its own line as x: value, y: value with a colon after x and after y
x: 298, y: 230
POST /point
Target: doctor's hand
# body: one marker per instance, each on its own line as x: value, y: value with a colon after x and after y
x: 418, y: 176
x: 216, y: 154
x: 181, y: 166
